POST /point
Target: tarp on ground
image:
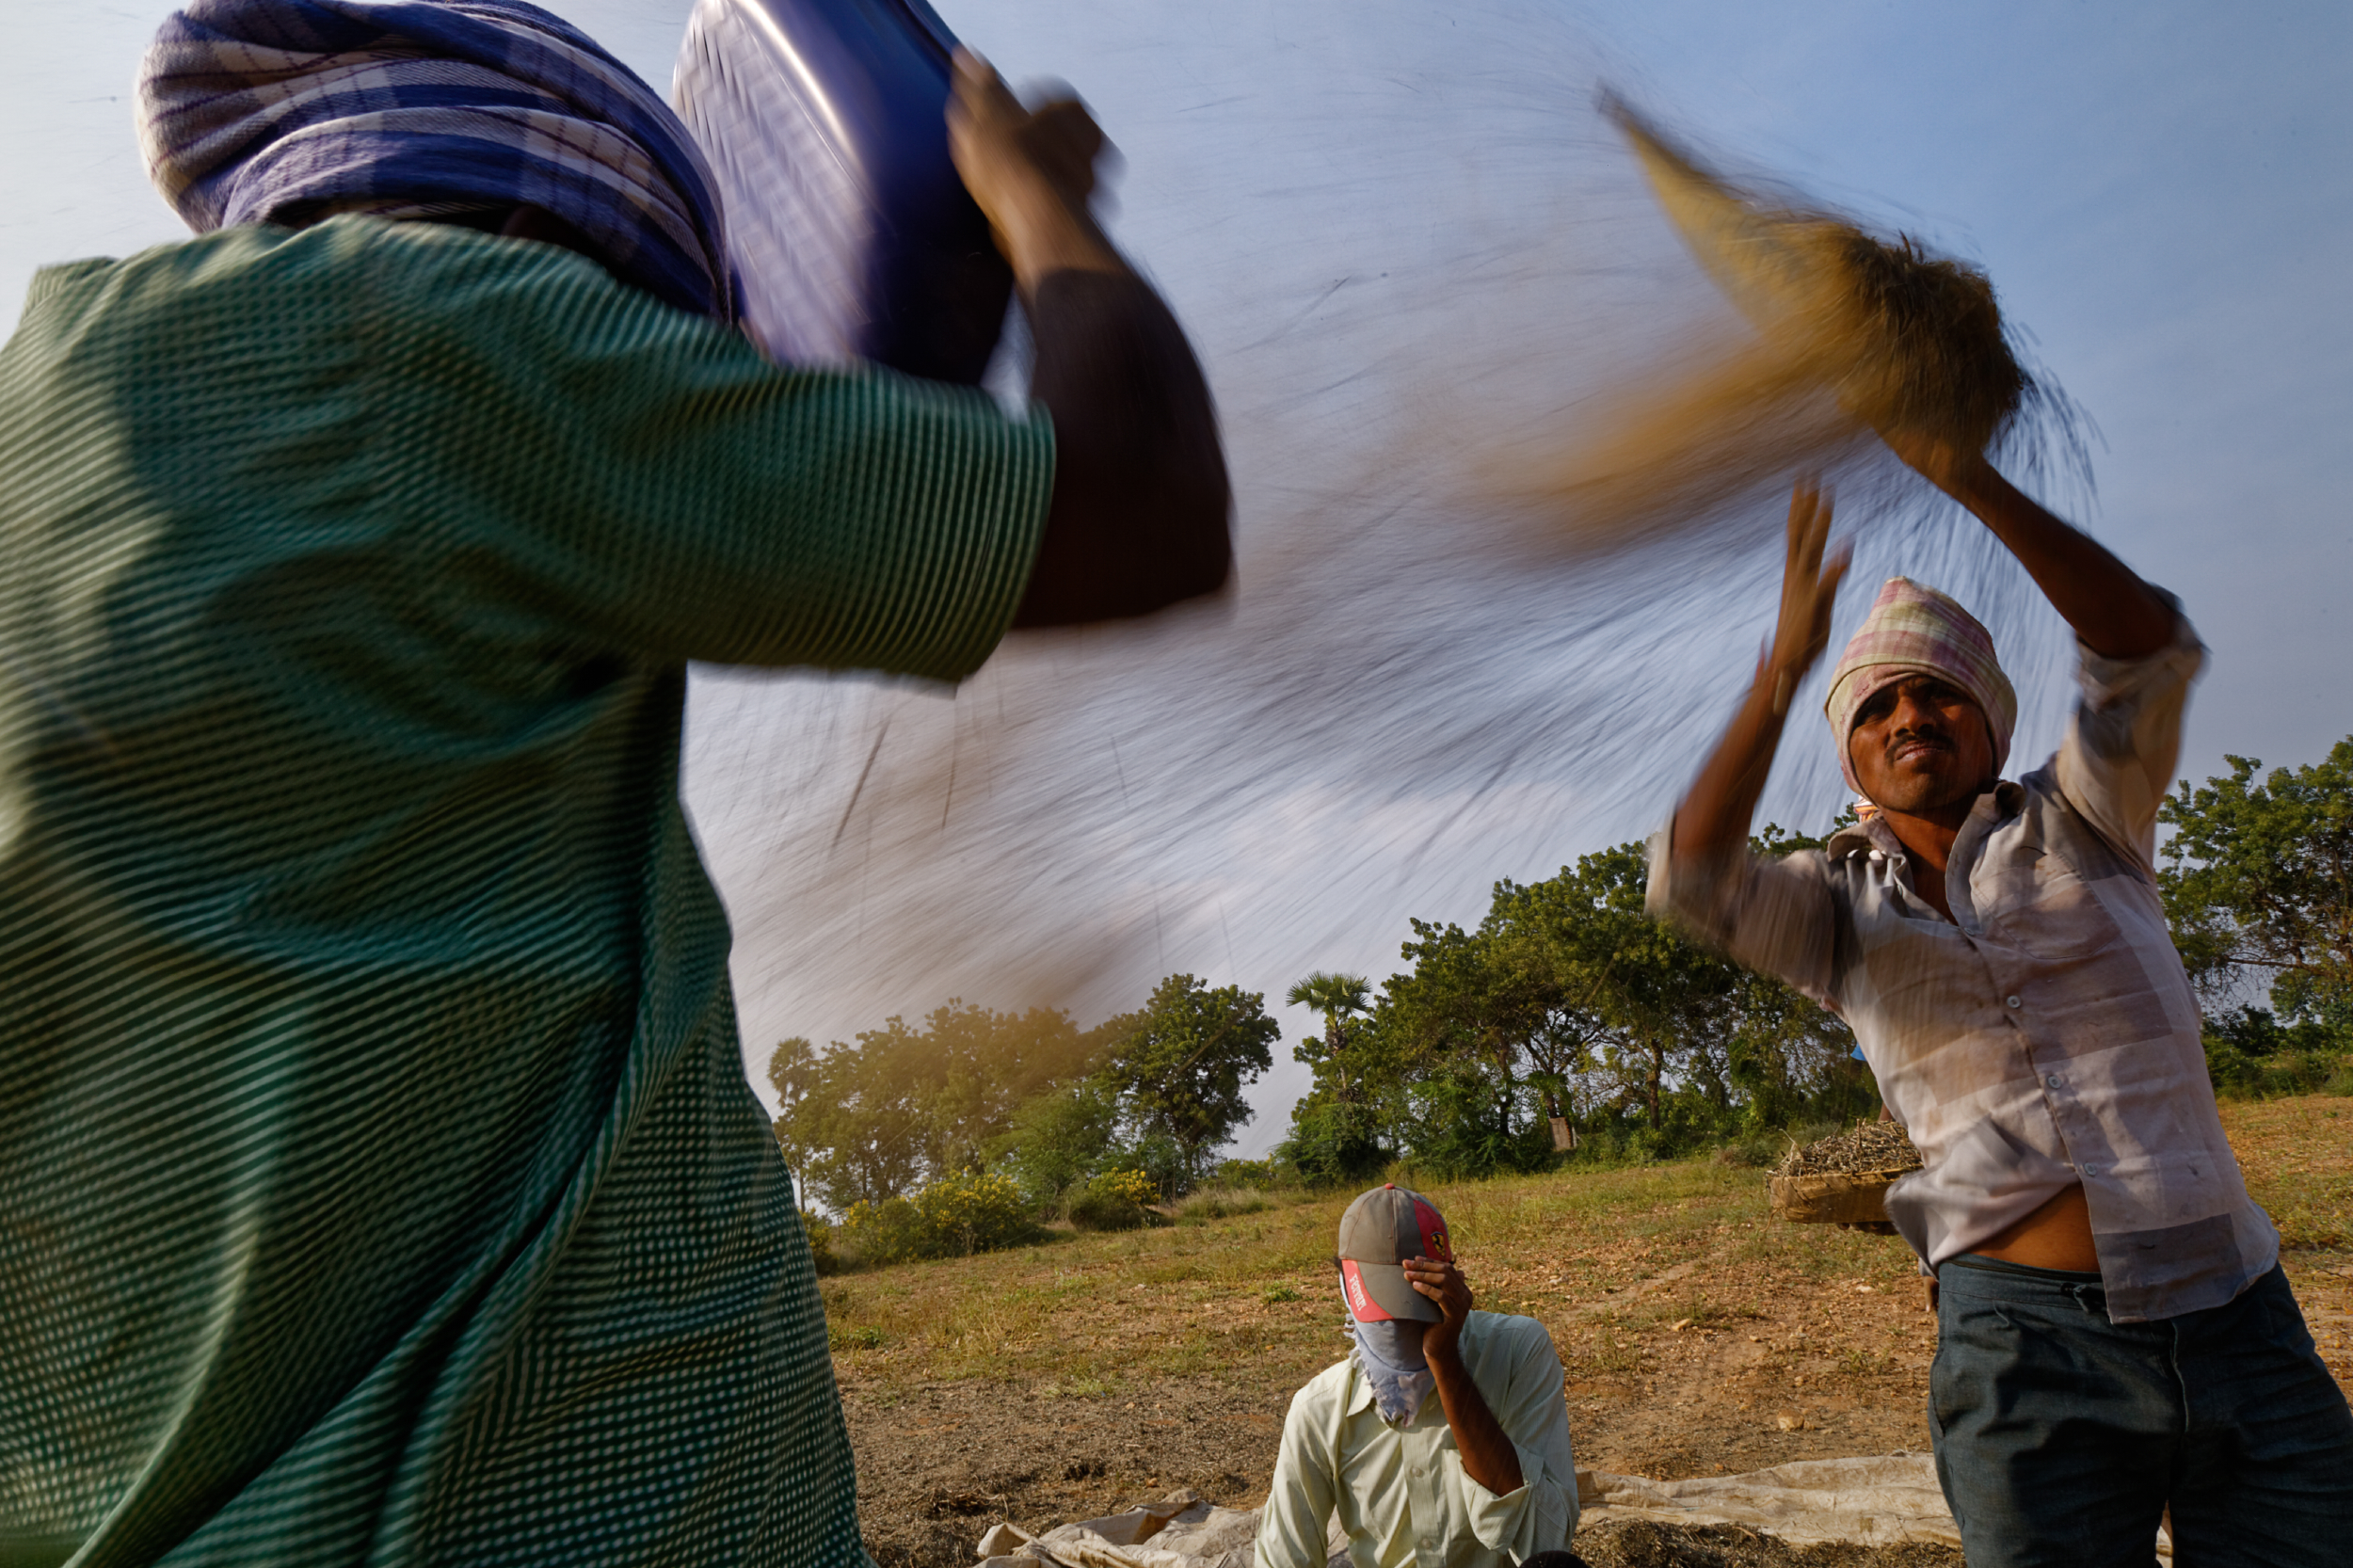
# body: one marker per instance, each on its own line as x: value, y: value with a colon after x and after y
x: 1877, y: 1500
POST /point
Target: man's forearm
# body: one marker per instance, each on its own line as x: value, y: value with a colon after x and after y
x: 1488, y: 1455
x: 1139, y: 516
x: 1716, y: 812
x: 2111, y: 609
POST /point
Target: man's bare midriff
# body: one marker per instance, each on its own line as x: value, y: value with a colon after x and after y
x: 2056, y: 1235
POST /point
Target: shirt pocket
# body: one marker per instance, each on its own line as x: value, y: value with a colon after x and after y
x: 2033, y: 900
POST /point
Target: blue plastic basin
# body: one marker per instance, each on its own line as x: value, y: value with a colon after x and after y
x: 851, y: 236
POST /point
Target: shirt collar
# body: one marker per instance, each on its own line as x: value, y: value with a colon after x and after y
x: 1359, y: 1388
x: 2004, y: 800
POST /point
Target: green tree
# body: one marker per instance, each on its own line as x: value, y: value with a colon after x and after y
x: 1059, y: 1140
x: 1334, y: 1130
x: 904, y: 1105
x: 1180, y: 1066
x: 1569, y: 1001
x: 2258, y: 886
x: 850, y: 1129
x: 1457, y: 1027
x: 1338, y: 998
x: 1629, y: 1004
x: 971, y: 1068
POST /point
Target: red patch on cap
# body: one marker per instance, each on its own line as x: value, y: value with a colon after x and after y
x: 1433, y: 1241
x: 1360, y: 1303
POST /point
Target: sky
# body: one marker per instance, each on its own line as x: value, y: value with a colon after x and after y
x: 1394, y: 230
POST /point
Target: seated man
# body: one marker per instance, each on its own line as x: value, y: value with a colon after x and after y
x: 1480, y: 1475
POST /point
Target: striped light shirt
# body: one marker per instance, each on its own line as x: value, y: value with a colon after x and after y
x: 2046, y: 1034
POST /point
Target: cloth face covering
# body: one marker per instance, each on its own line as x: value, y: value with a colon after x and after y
x: 1389, y: 1355
x: 1914, y: 630
x: 407, y: 108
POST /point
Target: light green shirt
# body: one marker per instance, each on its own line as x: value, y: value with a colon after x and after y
x: 378, y: 1182
x: 1401, y: 1495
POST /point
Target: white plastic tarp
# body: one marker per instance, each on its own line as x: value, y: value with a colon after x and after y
x: 1879, y: 1500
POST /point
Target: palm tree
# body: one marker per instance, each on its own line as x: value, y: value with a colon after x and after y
x: 1338, y: 998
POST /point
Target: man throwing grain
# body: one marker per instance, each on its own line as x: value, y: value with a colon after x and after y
x: 2116, y: 1334
x: 1480, y: 1476
x: 378, y: 1182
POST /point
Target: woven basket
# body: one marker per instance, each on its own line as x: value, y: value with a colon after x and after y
x: 1836, y: 1197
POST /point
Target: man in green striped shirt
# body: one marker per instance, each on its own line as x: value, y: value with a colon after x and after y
x: 378, y: 1183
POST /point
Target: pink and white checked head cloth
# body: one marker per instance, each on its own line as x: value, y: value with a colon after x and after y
x: 1914, y: 630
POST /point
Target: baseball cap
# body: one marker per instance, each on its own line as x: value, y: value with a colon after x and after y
x: 1381, y: 1229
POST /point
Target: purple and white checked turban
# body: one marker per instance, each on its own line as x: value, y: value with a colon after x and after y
x: 1912, y: 630
x: 427, y: 108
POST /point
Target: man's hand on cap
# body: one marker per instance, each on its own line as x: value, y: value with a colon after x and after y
x: 1442, y: 1283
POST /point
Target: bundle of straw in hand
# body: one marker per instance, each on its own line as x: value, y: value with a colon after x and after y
x: 1855, y: 339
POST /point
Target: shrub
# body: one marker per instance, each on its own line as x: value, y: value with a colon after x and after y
x: 964, y: 1214
x: 1056, y: 1141
x: 1265, y: 1175
x: 951, y: 1217
x: 2252, y: 1055
x: 1220, y: 1202
x: 1458, y: 1129
x: 877, y: 1234
x: 1114, y: 1201
x: 820, y: 1233
x: 1758, y: 1151
x: 1160, y: 1159
x: 1334, y: 1142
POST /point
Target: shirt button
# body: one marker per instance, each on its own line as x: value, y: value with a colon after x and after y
x: 2092, y: 1170
x: 2052, y: 1080
x: 2010, y: 1002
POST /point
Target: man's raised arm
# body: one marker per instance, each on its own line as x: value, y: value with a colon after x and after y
x: 1715, y: 815
x: 1139, y: 515
x: 2116, y: 614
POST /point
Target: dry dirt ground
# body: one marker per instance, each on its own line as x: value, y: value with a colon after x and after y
x: 1708, y: 1339
x: 1641, y: 1544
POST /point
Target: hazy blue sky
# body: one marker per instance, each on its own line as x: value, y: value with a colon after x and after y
x: 2161, y: 192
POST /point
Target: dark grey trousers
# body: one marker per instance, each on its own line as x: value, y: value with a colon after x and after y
x: 2061, y: 1438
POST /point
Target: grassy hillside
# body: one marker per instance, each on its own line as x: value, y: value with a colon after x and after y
x: 1698, y: 1335
x: 1091, y: 1313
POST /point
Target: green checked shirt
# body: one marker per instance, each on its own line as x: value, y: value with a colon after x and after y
x: 378, y: 1183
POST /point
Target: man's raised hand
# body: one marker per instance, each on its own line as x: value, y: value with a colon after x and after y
x: 1809, y: 590
x: 1442, y: 1283
x: 1488, y: 1455
x: 1030, y: 172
